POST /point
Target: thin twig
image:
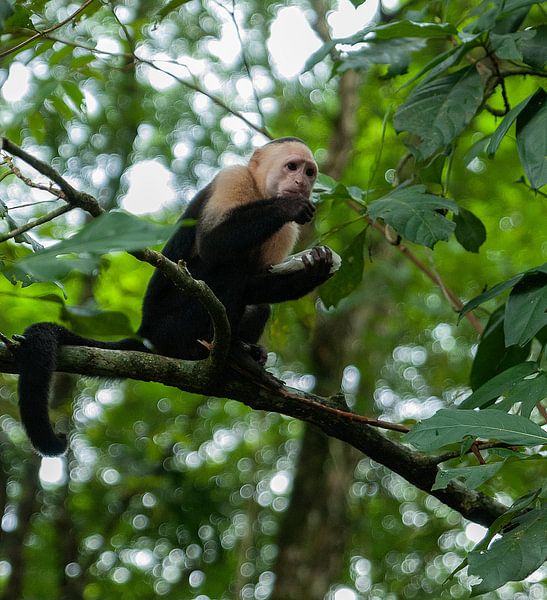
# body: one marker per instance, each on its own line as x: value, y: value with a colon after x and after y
x: 128, y: 36
x: 192, y: 86
x: 39, y: 186
x: 40, y: 34
x: 346, y: 414
x: 40, y: 221
x: 542, y: 411
x: 457, y: 454
x: 72, y: 195
x: 232, y: 14
x: 476, y: 451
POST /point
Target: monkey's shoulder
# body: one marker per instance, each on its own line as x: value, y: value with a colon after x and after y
x: 232, y: 187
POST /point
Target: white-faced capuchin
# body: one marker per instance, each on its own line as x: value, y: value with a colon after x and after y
x: 246, y: 220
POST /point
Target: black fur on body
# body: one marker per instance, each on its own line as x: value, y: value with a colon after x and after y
x: 228, y: 254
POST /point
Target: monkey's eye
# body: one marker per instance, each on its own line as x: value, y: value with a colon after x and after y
x: 310, y: 172
x: 292, y: 166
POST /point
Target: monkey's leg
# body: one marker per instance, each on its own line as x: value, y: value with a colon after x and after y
x: 251, y: 327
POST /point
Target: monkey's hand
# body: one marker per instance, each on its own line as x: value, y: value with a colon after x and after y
x: 297, y: 208
x: 318, y: 263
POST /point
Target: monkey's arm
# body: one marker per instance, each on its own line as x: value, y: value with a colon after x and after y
x: 267, y: 287
x: 248, y: 226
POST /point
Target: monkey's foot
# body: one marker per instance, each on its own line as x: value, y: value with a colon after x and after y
x: 242, y: 355
x: 256, y: 352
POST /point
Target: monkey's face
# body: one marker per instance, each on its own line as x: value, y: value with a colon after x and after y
x: 292, y: 171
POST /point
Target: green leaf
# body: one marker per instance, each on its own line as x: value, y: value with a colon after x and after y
x: 526, y: 309
x: 349, y: 276
x: 342, y: 192
x: 499, y: 289
x: 532, y: 141
x: 449, y: 426
x: 111, y: 232
x: 171, y: 6
x: 492, y: 357
x: 438, y: 111
x: 528, y: 391
x: 395, y: 53
x: 388, y: 31
x: 499, y: 385
x: 520, y: 551
x: 534, y: 51
x: 45, y: 267
x: 471, y: 477
x: 508, y: 46
x: 74, y: 92
x: 470, y: 231
x: 413, y: 29
x: 504, y: 126
x: 444, y: 61
x: 37, y: 126
x: 412, y: 212
x: 61, y: 108
x: 319, y: 55
x: 91, y: 322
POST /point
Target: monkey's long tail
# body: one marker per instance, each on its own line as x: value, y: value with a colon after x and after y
x: 36, y: 360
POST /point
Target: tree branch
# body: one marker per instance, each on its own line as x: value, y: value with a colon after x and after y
x: 193, y: 376
x: 213, y: 377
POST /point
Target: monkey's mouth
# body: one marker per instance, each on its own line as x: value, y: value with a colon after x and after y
x: 292, y: 192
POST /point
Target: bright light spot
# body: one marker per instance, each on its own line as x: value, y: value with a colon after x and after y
x: 109, y: 45
x: 291, y: 42
x: 344, y: 594
x: 17, y: 84
x: 109, y: 396
x: 348, y: 20
x: 159, y: 80
x: 110, y: 476
x: 73, y: 570
x: 9, y: 522
x: 227, y: 48
x: 196, y: 578
x: 121, y: 575
x: 475, y: 532
x: 52, y: 470
x: 280, y: 482
x: 91, y: 103
x: 144, y: 559
x: 350, y: 379
x: 151, y: 187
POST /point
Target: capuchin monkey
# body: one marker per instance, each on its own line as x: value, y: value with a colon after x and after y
x: 246, y: 220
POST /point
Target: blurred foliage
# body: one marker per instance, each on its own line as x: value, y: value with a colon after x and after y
x: 165, y: 494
